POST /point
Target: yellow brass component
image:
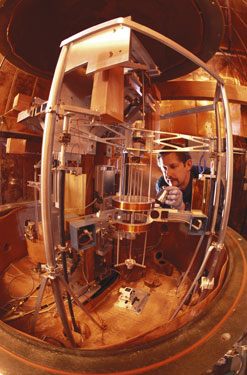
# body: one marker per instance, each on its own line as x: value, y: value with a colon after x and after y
x: 133, y: 228
x: 133, y: 203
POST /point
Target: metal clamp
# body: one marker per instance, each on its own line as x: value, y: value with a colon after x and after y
x: 52, y: 272
x: 64, y: 137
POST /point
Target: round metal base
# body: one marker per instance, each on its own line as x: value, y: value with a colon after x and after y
x: 191, y: 349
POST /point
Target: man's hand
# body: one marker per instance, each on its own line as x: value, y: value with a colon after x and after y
x: 173, y: 197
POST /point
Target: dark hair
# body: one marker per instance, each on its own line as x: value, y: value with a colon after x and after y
x: 183, y: 156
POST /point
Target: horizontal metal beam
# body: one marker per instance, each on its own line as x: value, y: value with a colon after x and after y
x: 200, y: 90
x: 188, y: 111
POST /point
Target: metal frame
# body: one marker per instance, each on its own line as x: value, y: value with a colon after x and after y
x: 50, y: 121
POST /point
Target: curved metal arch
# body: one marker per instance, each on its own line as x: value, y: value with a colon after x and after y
x: 50, y: 120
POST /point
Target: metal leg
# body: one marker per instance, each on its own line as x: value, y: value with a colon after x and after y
x: 191, y: 263
x: 199, y: 273
x: 61, y: 309
x: 38, y: 303
x: 70, y: 291
x: 145, y: 249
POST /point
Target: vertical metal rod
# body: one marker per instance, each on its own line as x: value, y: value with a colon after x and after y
x: 63, y: 145
x: 133, y: 181
x: 134, y: 187
x: 219, y: 164
x: 124, y: 179
x: 145, y: 248
x: 228, y: 187
x: 132, y: 178
x: 46, y: 161
x: 141, y: 183
x: 46, y: 183
x: 143, y: 100
x: 217, y: 187
x: 138, y: 183
x: 229, y: 167
x: 36, y: 200
x: 130, y: 182
x: 150, y: 171
x: 118, y: 243
x: 121, y: 182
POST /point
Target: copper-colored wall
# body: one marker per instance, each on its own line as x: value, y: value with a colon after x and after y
x: 201, y: 124
x: 17, y: 169
x: 12, y: 82
x: 188, y: 92
x: 197, y: 88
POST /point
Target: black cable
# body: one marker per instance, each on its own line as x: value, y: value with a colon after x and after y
x: 61, y: 181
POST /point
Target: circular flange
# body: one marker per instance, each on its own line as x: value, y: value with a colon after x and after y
x: 188, y: 350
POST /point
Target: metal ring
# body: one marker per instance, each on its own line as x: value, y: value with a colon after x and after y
x: 133, y: 228
x: 133, y: 203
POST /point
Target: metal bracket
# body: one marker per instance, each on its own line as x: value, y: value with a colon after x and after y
x: 51, y: 272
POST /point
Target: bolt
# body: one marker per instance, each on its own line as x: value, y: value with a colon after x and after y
x: 225, y: 336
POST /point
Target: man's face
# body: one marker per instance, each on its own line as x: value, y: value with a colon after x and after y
x: 175, y: 172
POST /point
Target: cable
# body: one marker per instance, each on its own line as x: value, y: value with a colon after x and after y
x: 61, y: 179
x: 231, y: 62
x: 90, y: 204
x: 22, y: 297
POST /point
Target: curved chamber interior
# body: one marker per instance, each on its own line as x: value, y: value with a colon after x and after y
x: 122, y: 290
x: 96, y: 262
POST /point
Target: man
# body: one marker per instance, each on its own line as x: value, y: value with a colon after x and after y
x: 178, y: 173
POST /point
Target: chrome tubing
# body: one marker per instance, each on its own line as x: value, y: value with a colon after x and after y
x: 46, y: 158
x: 229, y: 168
x: 194, y: 283
x: 219, y: 162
